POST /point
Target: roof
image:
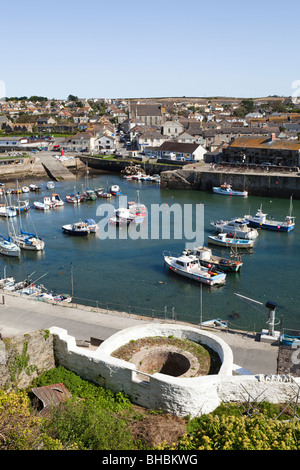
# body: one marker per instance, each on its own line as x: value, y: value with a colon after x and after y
x: 265, y: 143
x: 51, y: 395
x: 146, y: 109
x: 171, y: 146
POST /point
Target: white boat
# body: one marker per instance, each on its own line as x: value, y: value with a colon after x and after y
x: 25, y: 189
x: 92, y: 226
x: 41, y: 206
x: 135, y: 212
x: 48, y: 202
x: 216, y: 322
x: 236, y: 226
x: 78, y: 229
x: 28, y: 241
x: 6, y: 282
x: 35, y: 188
x: 123, y: 216
x: 189, y: 266
x: 222, y: 239
x: 7, y: 211
x: 260, y: 220
x: 156, y: 178
x: 8, y: 248
x: 115, y: 190
x: 57, y: 200
x: 50, y: 185
x: 227, y: 190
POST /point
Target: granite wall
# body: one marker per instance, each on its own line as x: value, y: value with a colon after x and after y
x: 24, y: 357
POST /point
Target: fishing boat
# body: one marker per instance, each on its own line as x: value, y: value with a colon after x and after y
x: 25, y: 189
x: 41, y: 206
x: 236, y: 226
x: 92, y: 226
x: 7, y: 211
x: 77, y: 229
x: 8, y: 248
x: 227, y: 190
x: 50, y: 185
x: 123, y: 216
x: 104, y: 195
x: 72, y: 199
x: 22, y: 206
x: 35, y: 188
x: 155, y: 178
x: 189, y: 266
x: 222, y: 239
x: 136, y: 207
x: 99, y: 191
x: 115, y: 190
x: 89, y: 195
x: 209, y: 260
x: 56, y: 199
x: 28, y: 241
x: 260, y: 220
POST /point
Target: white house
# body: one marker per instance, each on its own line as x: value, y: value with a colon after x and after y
x: 81, y: 142
x: 172, y: 128
x: 104, y: 142
x: 179, y: 151
x: 149, y: 138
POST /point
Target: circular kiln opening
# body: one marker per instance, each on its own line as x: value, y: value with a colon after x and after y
x: 170, y: 356
x: 166, y: 362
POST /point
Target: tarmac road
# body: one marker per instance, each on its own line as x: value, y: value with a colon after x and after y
x: 20, y: 315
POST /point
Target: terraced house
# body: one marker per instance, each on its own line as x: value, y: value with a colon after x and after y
x: 259, y: 150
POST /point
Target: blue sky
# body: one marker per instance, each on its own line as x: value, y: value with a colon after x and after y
x: 127, y: 49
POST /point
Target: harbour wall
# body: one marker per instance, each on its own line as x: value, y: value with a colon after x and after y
x: 270, y: 185
x: 117, y: 166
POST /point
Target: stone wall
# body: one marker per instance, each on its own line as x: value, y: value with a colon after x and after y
x: 270, y: 185
x: 31, y: 167
x: 22, y: 358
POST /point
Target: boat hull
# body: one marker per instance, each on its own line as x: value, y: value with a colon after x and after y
x: 30, y: 244
x: 229, y: 267
x: 278, y: 227
x: 225, y: 192
x: 69, y: 230
x: 228, y: 242
x: 9, y: 250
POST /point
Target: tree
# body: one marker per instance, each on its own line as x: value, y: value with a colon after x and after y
x: 72, y: 98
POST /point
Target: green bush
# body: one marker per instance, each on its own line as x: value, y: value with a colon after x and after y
x: 85, y: 425
x: 83, y: 389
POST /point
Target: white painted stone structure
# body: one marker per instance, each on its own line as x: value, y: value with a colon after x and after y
x: 179, y: 396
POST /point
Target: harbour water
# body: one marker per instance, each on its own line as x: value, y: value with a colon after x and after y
x: 129, y: 274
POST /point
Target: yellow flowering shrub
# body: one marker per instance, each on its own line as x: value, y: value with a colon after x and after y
x: 241, y: 433
x: 20, y: 427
